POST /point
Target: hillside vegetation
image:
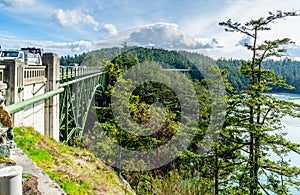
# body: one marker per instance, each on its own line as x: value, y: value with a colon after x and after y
x: 229, y: 166
x: 75, y: 169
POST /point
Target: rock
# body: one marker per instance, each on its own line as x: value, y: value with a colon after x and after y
x: 4, y: 150
x: 11, y: 144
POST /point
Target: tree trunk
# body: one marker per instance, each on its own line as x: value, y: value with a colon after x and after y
x: 216, y: 173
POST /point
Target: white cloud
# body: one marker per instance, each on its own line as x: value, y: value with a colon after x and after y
x: 73, y: 18
x: 158, y: 35
x: 168, y: 36
x: 293, y: 51
x: 77, y: 46
x: 88, y: 19
x: 111, y: 29
x: 20, y: 3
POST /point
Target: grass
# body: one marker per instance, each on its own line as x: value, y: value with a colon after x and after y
x: 173, y: 183
x: 4, y: 159
x: 76, y: 170
x: 26, y: 176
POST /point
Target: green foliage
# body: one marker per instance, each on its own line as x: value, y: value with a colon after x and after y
x: 288, y: 70
x: 252, y: 129
x: 139, y: 105
x: 26, y: 176
x: 6, y: 160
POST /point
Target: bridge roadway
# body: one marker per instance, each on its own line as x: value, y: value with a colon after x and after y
x: 54, y: 100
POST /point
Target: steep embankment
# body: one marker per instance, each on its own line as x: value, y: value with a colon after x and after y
x: 76, y: 170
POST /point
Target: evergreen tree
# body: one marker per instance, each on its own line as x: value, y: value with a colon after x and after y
x: 255, y: 123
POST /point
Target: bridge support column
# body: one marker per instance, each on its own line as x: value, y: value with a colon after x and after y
x: 52, y: 61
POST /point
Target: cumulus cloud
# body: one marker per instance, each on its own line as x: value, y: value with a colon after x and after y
x: 161, y: 35
x: 169, y: 36
x: 68, y: 18
x: 20, y: 3
x: 70, y: 47
x: 111, y: 29
x: 74, y: 17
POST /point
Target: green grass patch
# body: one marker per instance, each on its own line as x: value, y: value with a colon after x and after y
x: 26, y: 176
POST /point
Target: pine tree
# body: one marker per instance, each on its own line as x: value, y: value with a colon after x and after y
x: 256, y: 117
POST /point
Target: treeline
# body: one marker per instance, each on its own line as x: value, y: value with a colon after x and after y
x: 289, y: 70
x: 76, y: 59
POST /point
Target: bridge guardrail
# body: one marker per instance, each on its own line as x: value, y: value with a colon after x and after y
x: 69, y: 73
x: 12, y: 108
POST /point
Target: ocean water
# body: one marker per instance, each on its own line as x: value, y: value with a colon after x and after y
x: 292, y: 124
x: 292, y: 127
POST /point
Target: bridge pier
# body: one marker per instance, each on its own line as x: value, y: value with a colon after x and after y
x: 52, y: 61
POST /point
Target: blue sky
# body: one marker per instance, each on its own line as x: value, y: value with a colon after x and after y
x: 69, y: 27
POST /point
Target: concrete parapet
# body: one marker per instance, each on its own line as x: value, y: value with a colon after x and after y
x: 19, y: 82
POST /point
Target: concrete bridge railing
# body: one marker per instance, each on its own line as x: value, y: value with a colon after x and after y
x: 19, y: 83
x: 34, y: 74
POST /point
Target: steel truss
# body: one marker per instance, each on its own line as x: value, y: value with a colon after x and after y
x: 75, y: 103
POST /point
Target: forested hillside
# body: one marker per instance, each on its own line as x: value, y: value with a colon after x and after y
x: 224, y: 167
x: 217, y: 170
x: 286, y: 69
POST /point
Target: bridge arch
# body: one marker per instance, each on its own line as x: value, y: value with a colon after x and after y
x: 76, y: 101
